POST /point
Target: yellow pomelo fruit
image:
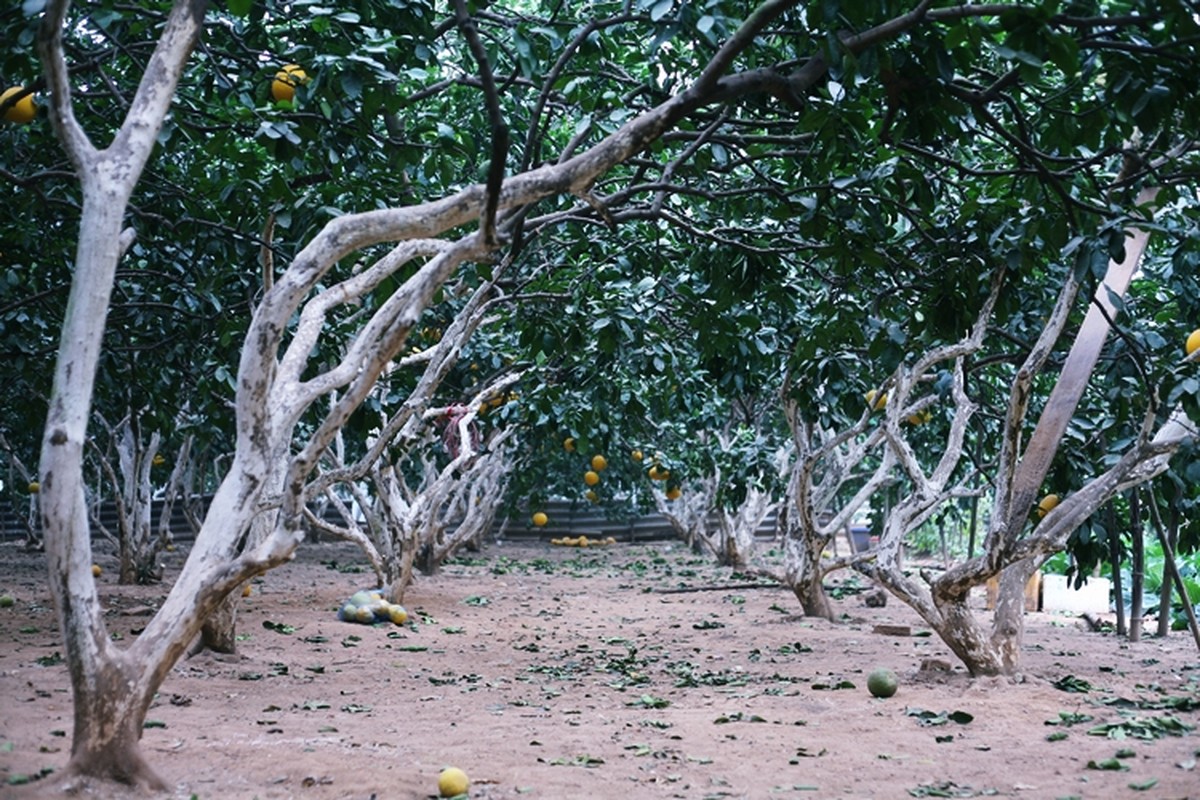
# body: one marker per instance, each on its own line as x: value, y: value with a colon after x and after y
x: 540, y: 518
x: 599, y: 463
x: 96, y: 571
x: 1047, y: 504
x: 875, y: 400
x: 674, y: 493
x: 591, y: 477
x: 364, y: 614
x: 452, y: 782
x: 247, y: 590
x: 397, y: 614
x: 34, y: 487
x: 283, y: 88
x: 882, y: 683
x: 636, y: 455
x: 569, y: 444
x: 591, y: 495
x: 21, y: 112
x: 1193, y: 342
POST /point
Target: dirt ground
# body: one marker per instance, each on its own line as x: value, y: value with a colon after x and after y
x: 552, y: 672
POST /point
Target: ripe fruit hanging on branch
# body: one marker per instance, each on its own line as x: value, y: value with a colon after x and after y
x: 1046, y: 505
x: 876, y: 400
x: 569, y: 444
x: 591, y: 477
x: 599, y: 463
x: 657, y: 473
x: 22, y: 111
x: 540, y: 519
x: 1193, y: 342
x: 674, y: 493
x: 636, y: 455
x: 283, y: 87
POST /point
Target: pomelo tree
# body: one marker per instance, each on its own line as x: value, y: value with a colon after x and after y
x: 647, y: 112
x: 387, y: 263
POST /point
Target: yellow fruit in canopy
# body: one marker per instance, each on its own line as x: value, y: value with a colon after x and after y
x: 283, y: 88
x: 23, y: 110
x: 674, y: 493
x: 591, y: 495
x: 1046, y: 505
x: 636, y: 455
x: 920, y: 418
x: 1193, y: 342
x: 540, y: 518
x: 452, y: 782
x: 876, y: 404
x: 569, y: 444
x: 34, y: 487
x: 158, y: 460
x: 591, y: 477
x: 656, y: 473
x: 599, y: 463
x: 96, y: 571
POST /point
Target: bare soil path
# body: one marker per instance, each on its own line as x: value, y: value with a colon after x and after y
x: 550, y: 672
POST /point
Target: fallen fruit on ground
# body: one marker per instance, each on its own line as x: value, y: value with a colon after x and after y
x: 452, y: 782
x: 882, y: 683
x: 540, y: 518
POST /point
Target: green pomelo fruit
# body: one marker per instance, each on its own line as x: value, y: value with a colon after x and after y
x: 882, y: 683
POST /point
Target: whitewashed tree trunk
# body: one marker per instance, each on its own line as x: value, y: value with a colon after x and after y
x: 688, y: 515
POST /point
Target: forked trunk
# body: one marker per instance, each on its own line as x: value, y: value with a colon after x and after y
x: 962, y: 633
x: 802, y: 571
x: 219, y: 632
x: 108, y: 729
x: 1008, y: 622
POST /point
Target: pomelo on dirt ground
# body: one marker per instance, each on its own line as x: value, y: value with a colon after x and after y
x: 882, y: 683
x: 452, y: 782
